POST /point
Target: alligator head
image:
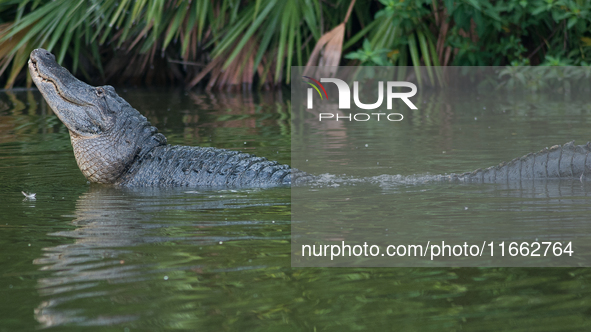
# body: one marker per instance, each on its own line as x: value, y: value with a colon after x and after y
x: 107, y: 134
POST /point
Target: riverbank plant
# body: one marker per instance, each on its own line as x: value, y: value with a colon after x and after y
x: 234, y: 44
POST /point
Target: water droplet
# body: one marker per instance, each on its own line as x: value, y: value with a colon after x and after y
x: 165, y: 277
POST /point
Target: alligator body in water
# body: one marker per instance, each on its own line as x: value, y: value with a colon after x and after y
x: 568, y: 161
x: 113, y: 143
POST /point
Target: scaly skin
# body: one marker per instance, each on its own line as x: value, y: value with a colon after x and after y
x: 114, y: 144
x: 197, y: 167
x: 569, y: 161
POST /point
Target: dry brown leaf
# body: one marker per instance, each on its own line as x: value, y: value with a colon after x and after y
x: 327, y: 52
x: 238, y: 74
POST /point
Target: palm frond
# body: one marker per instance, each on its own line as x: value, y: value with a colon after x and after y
x: 328, y: 49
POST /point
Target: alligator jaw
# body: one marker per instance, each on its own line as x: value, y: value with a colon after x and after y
x: 38, y: 78
x: 81, y: 107
x: 47, y: 82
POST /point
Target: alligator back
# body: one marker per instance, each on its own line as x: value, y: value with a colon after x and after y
x: 173, y: 165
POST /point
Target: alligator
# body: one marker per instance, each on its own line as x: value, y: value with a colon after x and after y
x: 114, y: 144
x: 568, y: 161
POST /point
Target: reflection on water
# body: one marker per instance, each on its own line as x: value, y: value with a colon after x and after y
x: 113, y: 226
x: 192, y: 118
x: 85, y: 255
x: 137, y: 259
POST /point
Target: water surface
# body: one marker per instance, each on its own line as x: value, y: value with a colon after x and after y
x: 380, y: 184
x: 102, y: 258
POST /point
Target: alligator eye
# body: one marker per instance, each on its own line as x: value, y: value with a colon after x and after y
x: 99, y: 92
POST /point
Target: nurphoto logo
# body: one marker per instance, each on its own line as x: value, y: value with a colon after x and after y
x: 344, y: 99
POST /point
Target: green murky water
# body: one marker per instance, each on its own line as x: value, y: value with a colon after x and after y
x: 109, y: 259
x: 377, y: 184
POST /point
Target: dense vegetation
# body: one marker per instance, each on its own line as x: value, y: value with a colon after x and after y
x: 241, y: 43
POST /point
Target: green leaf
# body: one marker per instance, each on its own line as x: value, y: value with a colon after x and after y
x: 414, y: 54
x: 360, y: 34
x: 173, y: 29
x: 449, y: 5
x: 571, y: 22
x: 538, y: 10
x: 251, y: 30
x: 269, y: 32
x: 426, y: 57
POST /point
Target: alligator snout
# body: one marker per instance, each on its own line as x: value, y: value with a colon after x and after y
x: 41, y: 54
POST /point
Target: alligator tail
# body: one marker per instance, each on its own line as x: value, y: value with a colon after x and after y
x: 558, y: 162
